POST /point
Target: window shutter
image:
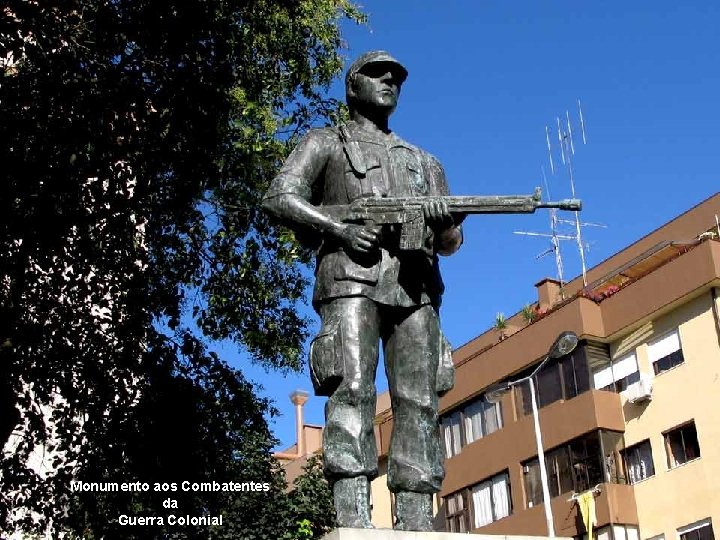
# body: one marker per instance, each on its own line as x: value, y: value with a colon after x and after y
x: 624, y: 366
x: 664, y: 346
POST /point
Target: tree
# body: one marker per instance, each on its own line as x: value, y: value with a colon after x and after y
x: 137, y: 139
x: 311, y: 500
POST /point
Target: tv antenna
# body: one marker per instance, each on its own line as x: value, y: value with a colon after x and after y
x: 555, y: 237
x: 567, y: 151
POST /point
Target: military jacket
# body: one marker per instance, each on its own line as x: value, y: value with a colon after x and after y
x: 323, y: 169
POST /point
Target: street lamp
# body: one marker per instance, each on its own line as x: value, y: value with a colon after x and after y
x: 564, y: 344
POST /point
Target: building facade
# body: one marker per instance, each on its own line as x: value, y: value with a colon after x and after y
x: 631, y: 416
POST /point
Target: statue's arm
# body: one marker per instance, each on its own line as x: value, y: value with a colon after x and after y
x: 289, y: 197
x: 448, y: 231
x: 297, y: 212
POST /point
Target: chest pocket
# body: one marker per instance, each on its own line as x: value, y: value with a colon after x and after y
x: 365, y: 169
x: 410, y: 173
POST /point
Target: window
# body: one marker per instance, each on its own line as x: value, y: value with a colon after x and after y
x: 682, y: 445
x: 618, y: 375
x: 452, y: 433
x: 456, y: 513
x: 481, y: 418
x: 574, y: 466
x: 603, y: 533
x: 700, y: 530
x: 612, y: 444
x: 476, y: 420
x: 638, y: 462
x: 533, y: 483
x: 632, y: 533
x: 615, y: 532
x: 561, y: 378
x: 587, y: 463
x: 665, y: 353
x: 625, y: 532
x: 559, y: 470
x: 491, y: 500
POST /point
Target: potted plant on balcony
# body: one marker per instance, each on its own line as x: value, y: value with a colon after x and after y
x: 500, y: 325
x: 529, y: 313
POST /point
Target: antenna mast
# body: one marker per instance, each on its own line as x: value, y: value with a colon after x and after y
x: 567, y: 147
x: 567, y: 151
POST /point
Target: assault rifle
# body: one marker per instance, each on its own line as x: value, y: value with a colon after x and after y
x: 406, y: 212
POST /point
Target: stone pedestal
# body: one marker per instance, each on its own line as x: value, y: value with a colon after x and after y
x: 389, y: 534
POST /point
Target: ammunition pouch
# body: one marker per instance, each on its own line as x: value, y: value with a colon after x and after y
x: 326, y: 358
x: 446, y: 369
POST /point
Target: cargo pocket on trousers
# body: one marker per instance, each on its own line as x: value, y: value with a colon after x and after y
x: 446, y: 369
x: 326, y: 363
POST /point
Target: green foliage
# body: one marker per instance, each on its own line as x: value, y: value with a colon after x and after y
x: 500, y: 321
x: 311, y: 500
x: 529, y: 313
x: 138, y: 138
x: 179, y: 431
x: 304, y: 530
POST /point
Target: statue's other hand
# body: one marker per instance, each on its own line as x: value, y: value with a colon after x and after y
x: 436, y: 213
x: 359, y: 238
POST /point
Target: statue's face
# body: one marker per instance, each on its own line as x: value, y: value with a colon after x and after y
x: 377, y: 85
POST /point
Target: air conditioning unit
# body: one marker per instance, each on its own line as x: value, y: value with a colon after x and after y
x: 641, y: 391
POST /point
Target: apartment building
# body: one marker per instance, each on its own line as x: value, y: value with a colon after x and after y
x: 631, y: 415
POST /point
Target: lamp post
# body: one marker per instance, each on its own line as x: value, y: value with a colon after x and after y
x: 564, y: 344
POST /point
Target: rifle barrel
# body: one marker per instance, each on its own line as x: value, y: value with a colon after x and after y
x: 469, y: 204
x: 565, y: 204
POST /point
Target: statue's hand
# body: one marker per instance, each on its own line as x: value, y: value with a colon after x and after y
x: 448, y: 235
x: 359, y: 238
x: 436, y: 214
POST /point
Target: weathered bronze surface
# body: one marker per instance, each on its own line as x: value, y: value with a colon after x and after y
x: 371, y: 288
x: 377, y: 210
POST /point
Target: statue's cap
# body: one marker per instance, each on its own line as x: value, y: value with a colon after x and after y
x: 373, y: 57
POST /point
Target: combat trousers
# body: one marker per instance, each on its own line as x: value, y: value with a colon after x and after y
x: 411, y: 339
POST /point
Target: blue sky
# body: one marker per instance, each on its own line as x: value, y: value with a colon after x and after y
x: 486, y: 77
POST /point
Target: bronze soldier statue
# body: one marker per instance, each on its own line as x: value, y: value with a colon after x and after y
x: 369, y: 291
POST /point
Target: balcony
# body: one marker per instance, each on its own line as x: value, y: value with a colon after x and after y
x: 560, y: 422
x: 615, y: 503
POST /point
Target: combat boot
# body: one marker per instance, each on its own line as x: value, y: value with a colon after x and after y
x: 413, y: 511
x: 352, y: 502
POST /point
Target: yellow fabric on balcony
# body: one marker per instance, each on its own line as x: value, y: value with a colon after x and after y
x: 586, y: 503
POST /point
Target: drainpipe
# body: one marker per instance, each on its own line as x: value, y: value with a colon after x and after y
x: 298, y: 398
